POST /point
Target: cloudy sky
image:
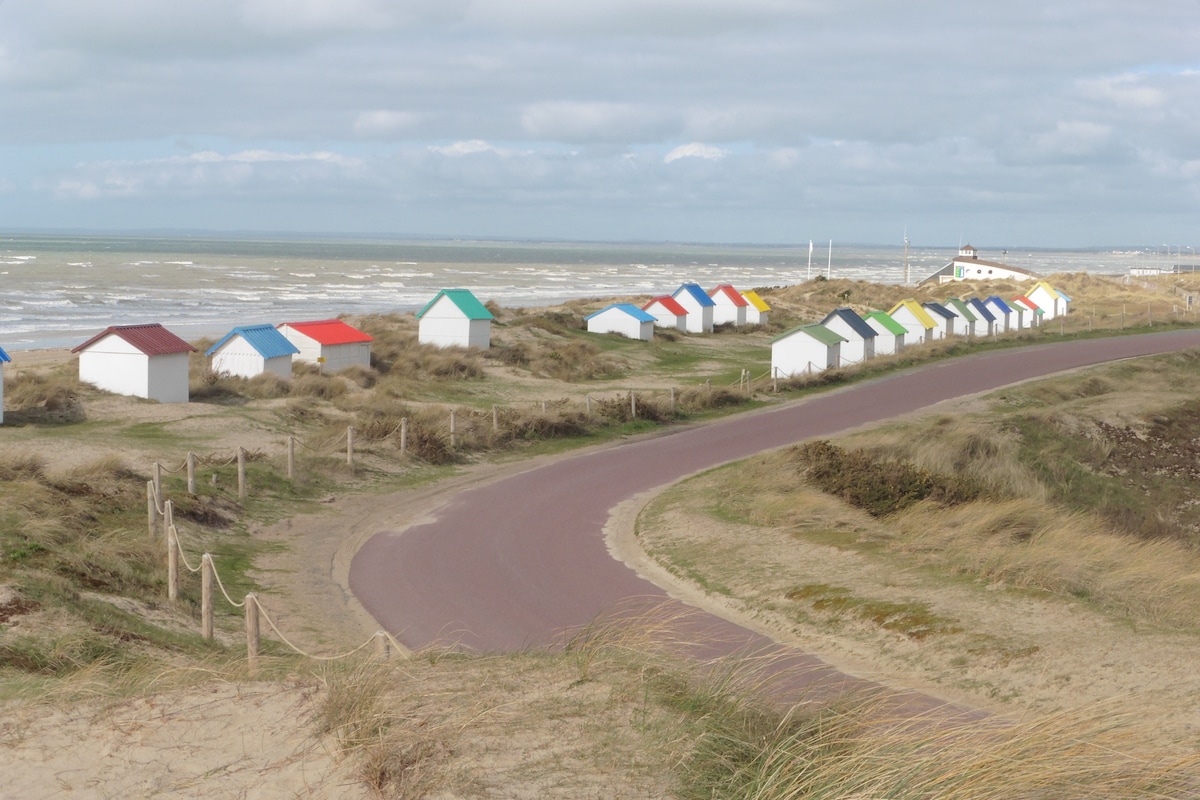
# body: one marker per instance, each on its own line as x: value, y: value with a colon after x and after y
x: 1051, y: 123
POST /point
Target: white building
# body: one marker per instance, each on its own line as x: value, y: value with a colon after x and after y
x: 455, y: 318
x: 331, y: 343
x: 985, y: 320
x: 137, y: 360
x: 967, y: 266
x: 948, y: 322
x: 1006, y: 318
x: 804, y: 351
x: 729, y: 305
x: 758, y: 312
x: 252, y: 350
x: 919, y: 326
x: 4, y: 359
x: 1052, y: 302
x: 699, y: 307
x: 667, y: 313
x: 624, y: 318
x: 859, y: 344
x: 889, y: 334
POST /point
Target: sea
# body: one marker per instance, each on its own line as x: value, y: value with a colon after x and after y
x: 59, y: 290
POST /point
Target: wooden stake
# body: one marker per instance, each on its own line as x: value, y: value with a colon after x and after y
x: 168, y: 516
x: 672, y: 401
x: 151, y: 509
x: 157, y: 479
x: 172, y: 564
x: 207, y: 571
x: 350, y: 445
x: 632, y: 405
x: 495, y: 419
x: 403, y: 435
x: 191, y: 473
x: 241, y: 473
x: 383, y: 648
x: 252, y: 632
x: 453, y: 429
x: 291, y: 458
x: 588, y: 398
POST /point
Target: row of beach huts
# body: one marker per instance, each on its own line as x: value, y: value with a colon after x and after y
x: 152, y: 362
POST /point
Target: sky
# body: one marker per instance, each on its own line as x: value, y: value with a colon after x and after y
x: 1036, y: 123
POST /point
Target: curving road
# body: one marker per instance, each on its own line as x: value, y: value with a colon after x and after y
x: 515, y: 563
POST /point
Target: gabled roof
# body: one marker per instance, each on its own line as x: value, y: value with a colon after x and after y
x: 1032, y: 306
x: 961, y: 308
x: 329, y: 331
x: 466, y: 302
x: 939, y: 309
x: 4, y: 359
x: 914, y: 308
x: 855, y: 322
x: 889, y: 324
x: 696, y: 292
x: 756, y: 301
x: 151, y: 339
x: 1064, y: 297
x: 669, y: 303
x: 731, y: 294
x: 996, y: 302
x: 818, y: 332
x: 981, y: 309
x: 628, y: 308
x: 266, y: 340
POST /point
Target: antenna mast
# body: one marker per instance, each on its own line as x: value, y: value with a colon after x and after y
x: 906, y: 279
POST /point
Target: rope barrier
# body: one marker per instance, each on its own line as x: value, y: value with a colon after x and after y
x: 182, y: 555
x: 221, y: 586
x: 301, y: 651
x: 181, y: 468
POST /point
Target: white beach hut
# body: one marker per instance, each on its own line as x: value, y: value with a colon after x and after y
x: 965, y: 325
x: 889, y: 334
x: 4, y: 359
x: 985, y: 320
x: 859, y: 344
x: 667, y: 313
x: 252, y: 350
x: 625, y: 319
x: 1049, y: 299
x: 946, y: 320
x: 329, y: 342
x: 1006, y: 319
x: 1033, y: 312
x: 699, y: 307
x: 919, y: 326
x: 805, y: 350
x: 730, y: 306
x: 455, y: 318
x: 138, y: 360
x: 758, y: 312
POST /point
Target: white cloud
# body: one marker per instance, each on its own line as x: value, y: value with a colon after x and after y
x: 695, y: 150
x: 593, y: 121
x: 1125, y: 91
x: 468, y: 148
x: 384, y: 124
x: 1073, y: 139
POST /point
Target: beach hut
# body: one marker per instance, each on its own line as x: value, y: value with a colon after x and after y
x: 1033, y: 312
x: 966, y: 317
x: 455, y: 318
x: 946, y: 320
x: 805, y: 350
x: 331, y: 343
x: 1006, y: 319
x: 889, y: 334
x: 860, y: 337
x: 985, y: 320
x: 699, y: 307
x: 624, y: 318
x: 918, y: 325
x: 251, y: 350
x: 757, y: 312
x: 4, y: 359
x: 667, y: 313
x: 137, y: 360
x: 1052, y: 302
x: 730, y: 306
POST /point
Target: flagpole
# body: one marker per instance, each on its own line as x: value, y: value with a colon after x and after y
x: 829, y: 266
x: 810, y: 248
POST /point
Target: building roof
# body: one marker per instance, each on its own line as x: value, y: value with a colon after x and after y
x: 466, y: 302
x: 914, y: 308
x: 853, y: 320
x: 151, y: 339
x: 889, y: 324
x: 996, y: 302
x: 329, y: 331
x: 669, y: 303
x: 961, y: 308
x: 938, y: 309
x: 730, y: 293
x: 816, y: 331
x: 266, y: 340
x: 696, y: 292
x: 1064, y: 297
x: 981, y: 309
x: 1032, y: 306
x: 627, y: 308
x: 1048, y: 288
x: 4, y: 359
x: 756, y: 301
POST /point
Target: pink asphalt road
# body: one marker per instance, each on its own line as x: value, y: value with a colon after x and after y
x: 516, y: 563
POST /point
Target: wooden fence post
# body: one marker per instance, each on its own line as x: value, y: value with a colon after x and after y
x: 632, y: 404
x: 495, y: 419
x: 157, y: 479
x: 168, y: 516
x: 543, y: 406
x: 252, y: 632
x: 191, y: 473
x: 588, y: 399
x: 672, y: 401
x: 172, y: 564
x: 241, y: 461
x: 775, y: 380
x: 207, y: 571
x: 151, y: 509
x: 291, y: 458
x: 453, y: 429
x: 350, y: 445
x: 403, y: 435
x: 383, y: 648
